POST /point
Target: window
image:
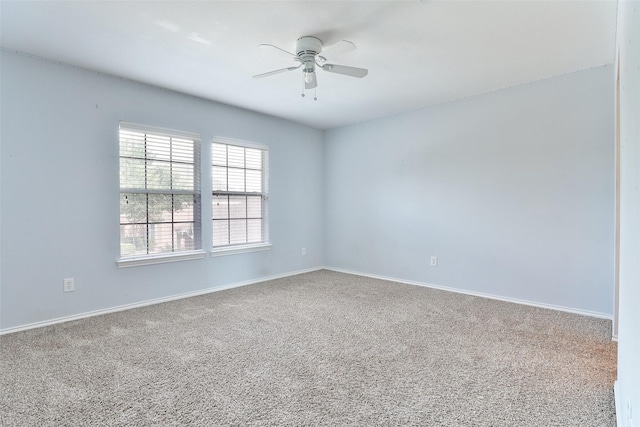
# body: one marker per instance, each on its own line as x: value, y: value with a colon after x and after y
x: 239, y: 198
x: 159, y: 192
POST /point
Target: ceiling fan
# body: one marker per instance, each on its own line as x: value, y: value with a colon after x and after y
x: 308, y: 49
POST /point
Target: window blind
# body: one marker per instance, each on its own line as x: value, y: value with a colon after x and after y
x: 239, y: 193
x: 159, y: 191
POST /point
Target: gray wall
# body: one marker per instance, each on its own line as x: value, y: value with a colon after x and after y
x: 512, y: 190
x: 60, y: 199
x: 628, y: 384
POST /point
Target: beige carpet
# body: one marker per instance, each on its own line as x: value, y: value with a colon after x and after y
x: 322, y: 348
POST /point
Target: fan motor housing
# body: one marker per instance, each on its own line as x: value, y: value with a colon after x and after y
x: 308, y: 46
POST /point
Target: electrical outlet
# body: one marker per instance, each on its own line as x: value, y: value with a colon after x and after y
x: 304, y: 252
x: 69, y: 285
x: 434, y: 261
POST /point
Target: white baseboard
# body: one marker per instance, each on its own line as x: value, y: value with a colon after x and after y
x: 293, y: 273
x: 149, y: 302
x: 479, y: 294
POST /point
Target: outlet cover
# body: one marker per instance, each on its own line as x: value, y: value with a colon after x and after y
x: 434, y: 261
x: 69, y: 285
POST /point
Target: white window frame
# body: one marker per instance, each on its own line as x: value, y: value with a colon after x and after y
x: 245, y: 247
x: 174, y: 255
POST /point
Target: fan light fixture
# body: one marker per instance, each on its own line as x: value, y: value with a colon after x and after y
x: 310, y: 77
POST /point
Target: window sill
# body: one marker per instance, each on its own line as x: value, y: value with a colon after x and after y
x: 159, y: 259
x: 230, y: 250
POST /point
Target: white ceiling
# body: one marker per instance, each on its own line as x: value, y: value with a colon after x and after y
x: 418, y: 53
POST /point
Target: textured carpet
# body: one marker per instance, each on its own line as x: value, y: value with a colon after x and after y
x: 322, y: 348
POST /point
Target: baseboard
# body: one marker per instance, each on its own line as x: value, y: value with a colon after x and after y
x: 149, y: 302
x: 293, y: 273
x: 479, y: 294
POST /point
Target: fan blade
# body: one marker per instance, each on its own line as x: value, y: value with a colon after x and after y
x: 347, y: 71
x: 271, y: 73
x: 340, y: 48
x: 310, y: 80
x: 279, y: 50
